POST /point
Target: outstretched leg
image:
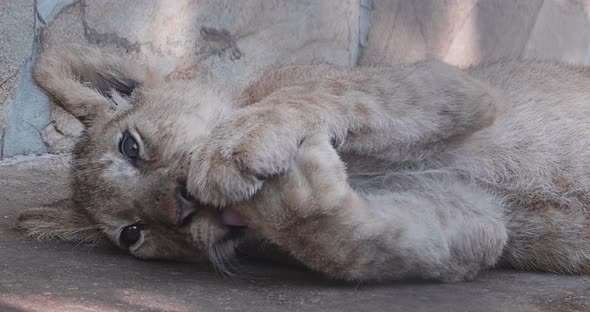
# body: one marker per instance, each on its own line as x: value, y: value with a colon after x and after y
x: 400, y: 113
x: 438, y: 230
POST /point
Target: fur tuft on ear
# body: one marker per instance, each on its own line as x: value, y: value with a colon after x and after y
x: 83, y: 79
x: 60, y: 222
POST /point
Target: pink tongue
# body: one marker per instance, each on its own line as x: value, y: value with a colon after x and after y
x: 231, y: 218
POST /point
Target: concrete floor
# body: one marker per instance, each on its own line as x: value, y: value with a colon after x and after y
x: 41, y: 276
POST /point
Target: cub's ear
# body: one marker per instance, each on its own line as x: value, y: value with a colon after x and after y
x: 61, y: 222
x: 90, y: 84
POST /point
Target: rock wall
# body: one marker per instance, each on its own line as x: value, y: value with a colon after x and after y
x: 227, y: 39
x: 465, y: 32
x: 24, y: 111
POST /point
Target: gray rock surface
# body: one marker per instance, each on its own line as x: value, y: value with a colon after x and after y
x: 559, y: 32
x: 47, y: 9
x: 17, y: 22
x: 29, y: 115
x: 466, y: 32
x: 61, y: 277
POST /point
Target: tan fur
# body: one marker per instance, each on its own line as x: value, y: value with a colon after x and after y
x: 420, y: 170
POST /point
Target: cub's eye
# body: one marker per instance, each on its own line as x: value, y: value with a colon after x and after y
x: 129, y: 147
x: 130, y: 235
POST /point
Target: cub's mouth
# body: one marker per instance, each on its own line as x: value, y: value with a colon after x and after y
x: 187, y: 206
x: 222, y: 250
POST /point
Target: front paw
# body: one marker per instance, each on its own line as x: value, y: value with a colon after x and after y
x: 241, y: 153
x: 308, y: 192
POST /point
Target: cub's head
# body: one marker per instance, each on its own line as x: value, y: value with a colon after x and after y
x: 130, y: 164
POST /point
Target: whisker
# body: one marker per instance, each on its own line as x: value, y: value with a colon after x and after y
x: 222, y: 257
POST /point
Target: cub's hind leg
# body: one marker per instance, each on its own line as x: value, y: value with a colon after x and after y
x: 442, y: 230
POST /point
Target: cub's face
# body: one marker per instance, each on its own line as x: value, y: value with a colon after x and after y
x: 129, y: 173
x: 130, y: 165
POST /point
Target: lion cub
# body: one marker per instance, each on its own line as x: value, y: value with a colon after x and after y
x: 420, y: 170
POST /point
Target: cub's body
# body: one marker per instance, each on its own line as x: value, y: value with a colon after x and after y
x: 361, y: 174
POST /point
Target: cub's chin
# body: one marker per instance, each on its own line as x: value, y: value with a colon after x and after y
x: 224, y: 252
x: 221, y: 237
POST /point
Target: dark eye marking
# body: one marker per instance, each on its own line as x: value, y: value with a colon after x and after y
x: 130, y: 235
x: 129, y: 147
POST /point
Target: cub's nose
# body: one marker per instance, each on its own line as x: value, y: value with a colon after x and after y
x: 186, y: 205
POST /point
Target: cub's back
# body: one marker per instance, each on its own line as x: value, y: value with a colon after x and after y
x: 539, y: 146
